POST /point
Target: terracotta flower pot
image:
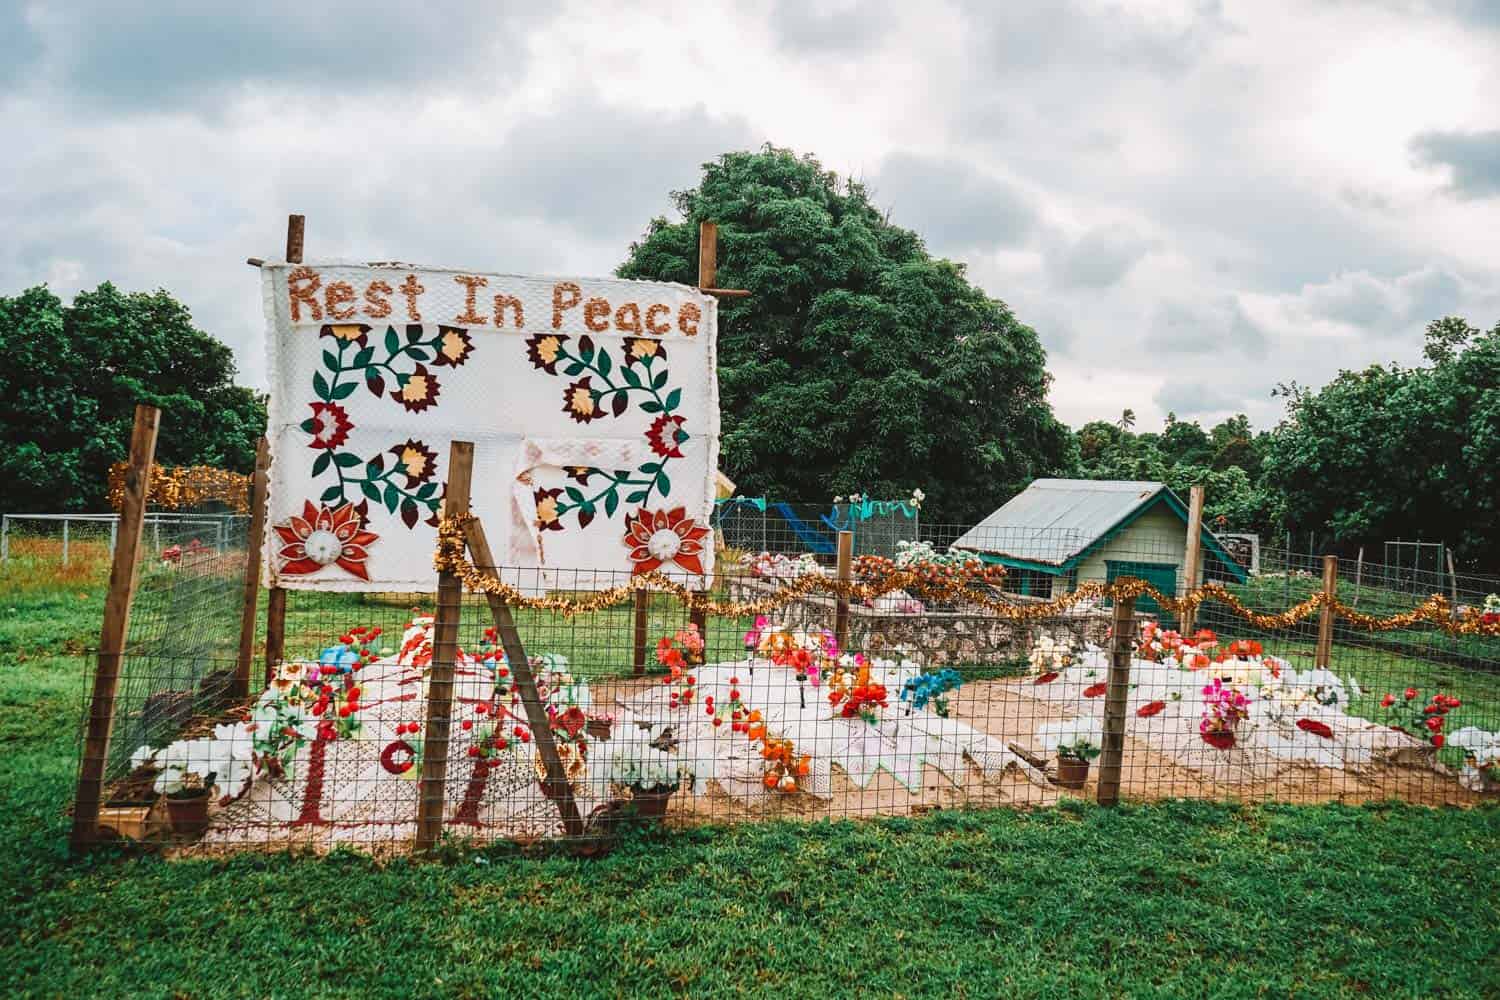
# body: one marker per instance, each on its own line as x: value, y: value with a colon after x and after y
x: 1221, y: 740
x: 1072, y: 772
x: 188, y: 813
x: 651, y: 803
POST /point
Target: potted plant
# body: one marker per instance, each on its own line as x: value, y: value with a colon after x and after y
x: 191, y: 771
x: 651, y: 775
x: 1076, y: 742
x: 1073, y: 762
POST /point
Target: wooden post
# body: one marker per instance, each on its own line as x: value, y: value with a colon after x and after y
x: 556, y: 786
x: 1112, y: 753
x: 1325, y: 620
x: 638, y: 652
x: 112, y: 638
x: 1359, y: 572
x: 275, y: 630
x: 276, y: 598
x: 845, y: 574
x: 295, y: 228
x: 450, y: 592
x: 1452, y: 585
x: 708, y: 254
x: 254, y: 541
x: 1194, y: 564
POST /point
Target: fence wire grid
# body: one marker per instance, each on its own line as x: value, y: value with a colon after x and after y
x: 918, y: 705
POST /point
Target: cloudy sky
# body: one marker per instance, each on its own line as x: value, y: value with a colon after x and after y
x: 1190, y: 201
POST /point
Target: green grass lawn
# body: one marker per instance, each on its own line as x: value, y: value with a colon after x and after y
x: 1175, y: 899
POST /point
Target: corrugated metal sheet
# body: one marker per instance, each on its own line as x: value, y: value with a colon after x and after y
x: 1053, y: 520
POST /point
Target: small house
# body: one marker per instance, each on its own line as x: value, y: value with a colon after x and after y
x: 1059, y: 532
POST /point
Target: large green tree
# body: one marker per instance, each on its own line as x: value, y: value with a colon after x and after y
x: 859, y: 363
x: 1392, y: 451
x: 1225, y: 460
x: 73, y: 375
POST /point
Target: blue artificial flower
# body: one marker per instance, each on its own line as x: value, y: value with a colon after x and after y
x: 340, y: 657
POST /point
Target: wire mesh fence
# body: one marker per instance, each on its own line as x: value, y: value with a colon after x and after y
x: 790, y: 704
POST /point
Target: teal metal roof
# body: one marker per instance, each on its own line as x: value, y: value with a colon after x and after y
x: 1053, y: 523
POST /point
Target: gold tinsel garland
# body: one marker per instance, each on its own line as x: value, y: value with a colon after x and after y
x: 185, y: 486
x: 879, y: 577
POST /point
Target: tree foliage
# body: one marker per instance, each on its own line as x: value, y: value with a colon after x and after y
x: 1393, y: 452
x: 1225, y: 459
x: 71, y: 382
x: 858, y: 363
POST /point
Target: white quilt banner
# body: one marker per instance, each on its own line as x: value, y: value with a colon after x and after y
x: 592, y: 404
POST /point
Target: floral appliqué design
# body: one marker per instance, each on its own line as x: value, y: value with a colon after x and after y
x: 401, y: 367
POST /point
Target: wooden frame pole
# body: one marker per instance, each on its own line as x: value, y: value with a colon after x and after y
x: 296, y: 229
x: 708, y: 254
x: 116, y: 629
x: 555, y: 786
x: 1325, y: 618
x: 1112, y: 755
x: 450, y: 592
x: 841, y: 603
x: 1193, y: 568
x: 254, y: 542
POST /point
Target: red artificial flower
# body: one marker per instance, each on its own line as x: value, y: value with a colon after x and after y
x: 329, y: 425
x: 657, y: 538
x: 666, y: 435
x: 1411, y: 693
x: 1437, y: 740
x: 1315, y: 727
x: 1154, y: 708
x: 1095, y: 690
x: 1046, y: 678
x: 1435, y: 723
x: 322, y: 537
x: 1388, y: 701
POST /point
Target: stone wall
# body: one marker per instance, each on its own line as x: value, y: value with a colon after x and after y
x: 967, y: 635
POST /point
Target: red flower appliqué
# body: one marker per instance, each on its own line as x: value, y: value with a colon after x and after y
x: 1150, y: 709
x: 323, y: 537
x: 666, y: 435
x: 1046, y: 678
x: 664, y: 537
x: 329, y: 425
x: 1095, y: 690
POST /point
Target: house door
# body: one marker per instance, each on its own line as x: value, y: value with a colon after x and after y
x: 1162, y: 576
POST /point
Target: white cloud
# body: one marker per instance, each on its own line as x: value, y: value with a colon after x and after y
x: 1190, y: 201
